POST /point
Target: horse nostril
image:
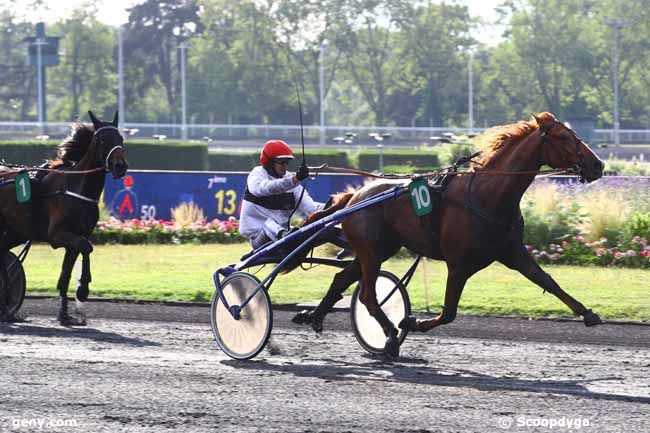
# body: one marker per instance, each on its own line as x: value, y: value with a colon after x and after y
x: 598, y: 165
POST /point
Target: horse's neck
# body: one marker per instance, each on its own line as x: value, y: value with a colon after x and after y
x: 504, y: 192
x: 90, y: 185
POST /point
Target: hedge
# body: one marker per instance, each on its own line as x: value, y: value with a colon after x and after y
x: 369, y: 159
x: 167, y: 155
x: 245, y: 161
x: 27, y: 152
x: 143, y: 155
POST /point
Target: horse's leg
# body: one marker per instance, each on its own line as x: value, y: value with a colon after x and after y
x: 62, y: 286
x: 83, y: 290
x: 456, y: 278
x: 4, y: 287
x: 370, y: 267
x: 522, y: 261
x: 340, y: 283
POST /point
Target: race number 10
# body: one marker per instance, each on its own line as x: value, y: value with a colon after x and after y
x: 420, y: 197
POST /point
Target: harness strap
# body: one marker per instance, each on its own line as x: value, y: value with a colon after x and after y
x: 80, y: 197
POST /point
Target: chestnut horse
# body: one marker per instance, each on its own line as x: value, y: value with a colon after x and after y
x: 63, y: 210
x: 478, y: 221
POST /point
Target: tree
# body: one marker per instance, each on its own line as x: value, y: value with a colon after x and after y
x: 86, y: 77
x: 435, y: 36
x: 17, y: 79
x: 152, y: 36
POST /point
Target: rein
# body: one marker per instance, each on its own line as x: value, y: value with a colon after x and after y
x: 49, y: 170
x: 23, y: 169
x: 448, y: 171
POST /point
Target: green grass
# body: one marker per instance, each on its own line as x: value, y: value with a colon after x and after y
x: 184, y: 272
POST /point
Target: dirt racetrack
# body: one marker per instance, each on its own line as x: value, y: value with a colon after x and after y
x: 152, y: 368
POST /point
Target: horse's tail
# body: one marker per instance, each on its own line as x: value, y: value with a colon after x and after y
x: 336, y: 202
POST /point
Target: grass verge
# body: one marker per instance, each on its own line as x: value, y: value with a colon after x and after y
x: 184, y: 273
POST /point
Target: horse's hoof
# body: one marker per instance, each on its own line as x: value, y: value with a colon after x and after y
x: 12, y: 318
x: 72, y: 321
x: 409, y: 323
x: 317, y: 324
x: 592, y: 319
x: 391, y: 349
x: 82, y: 294
x: 302, y: 318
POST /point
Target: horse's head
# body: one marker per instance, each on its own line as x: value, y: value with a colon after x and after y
x: 109, y: 146
x: 562, y: 148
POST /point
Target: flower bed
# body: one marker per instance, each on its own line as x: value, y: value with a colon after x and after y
x: 114, y: 231
x: 578, y: 251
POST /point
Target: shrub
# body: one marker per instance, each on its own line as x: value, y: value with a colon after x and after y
x: 187, y: 214
x: 638, y: 225
x: 368, y: 160
x: 605, y: 213
x: 548, y: 215
x: 623, y: 167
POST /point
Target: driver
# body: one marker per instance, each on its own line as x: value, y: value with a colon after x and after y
x: 271, y: 195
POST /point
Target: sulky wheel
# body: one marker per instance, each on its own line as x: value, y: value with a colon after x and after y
x: 17, y: 283
x: 244, y: 336
x: 398, y: 306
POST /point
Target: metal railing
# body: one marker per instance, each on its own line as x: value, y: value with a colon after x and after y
x: 236, y: 133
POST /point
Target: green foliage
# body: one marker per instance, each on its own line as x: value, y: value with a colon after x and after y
x: 638, y: 224
x: 167, y: 155
x: 246, y: 161
x: 86, y: 77
x: 368, y: 160
x: 622, y: 167
x: 451, y: 152
x: 27, y: 152
x: 387, y: 62
x: 553, y: 214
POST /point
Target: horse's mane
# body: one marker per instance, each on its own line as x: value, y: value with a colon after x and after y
x: 75, y: 145
x: 495, y: 139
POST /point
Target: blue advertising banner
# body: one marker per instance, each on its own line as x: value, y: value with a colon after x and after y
x: 152, y: 194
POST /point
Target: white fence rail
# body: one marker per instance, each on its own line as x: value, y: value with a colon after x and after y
x: 223, y: 134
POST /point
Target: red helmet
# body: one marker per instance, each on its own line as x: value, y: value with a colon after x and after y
x: 275, y: 149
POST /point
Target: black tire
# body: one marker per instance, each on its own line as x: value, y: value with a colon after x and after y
x: 366, y: 329
x: 247, y: 336
x: 17, y: 283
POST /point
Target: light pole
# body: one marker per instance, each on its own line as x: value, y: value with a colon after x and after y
x: 39, y: 42
x: 120, y: 75
x: 321, y: 90
x: 470, y: 92
x: 616, y: 24
x: 183, y: 47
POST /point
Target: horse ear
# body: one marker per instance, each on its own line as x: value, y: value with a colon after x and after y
x: 95, y: 120
x: 539, y: 120
x: 115, y: 119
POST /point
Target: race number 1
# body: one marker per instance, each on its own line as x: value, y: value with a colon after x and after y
x: 23, y: 190
x: 420, y: 197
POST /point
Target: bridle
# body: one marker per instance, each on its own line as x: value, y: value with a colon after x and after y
x: 577, y: 168
x: 111, y: 128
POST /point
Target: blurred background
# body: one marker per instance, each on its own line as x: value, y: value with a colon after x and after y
x: 225, y: 72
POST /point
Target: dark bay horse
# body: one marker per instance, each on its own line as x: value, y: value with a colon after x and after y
x: 64, y: 208
x: 478, y: 222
